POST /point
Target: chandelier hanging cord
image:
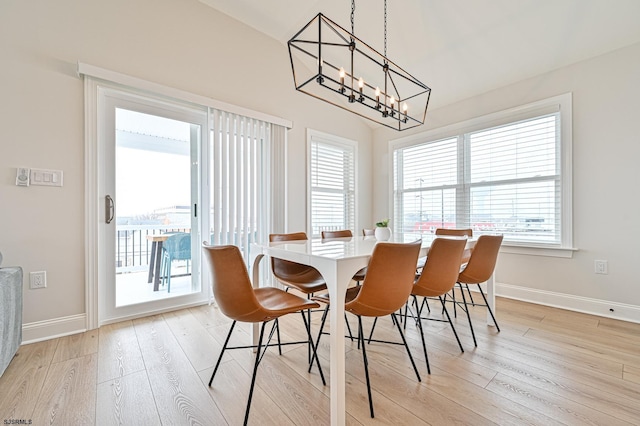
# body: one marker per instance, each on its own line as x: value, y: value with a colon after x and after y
x: 385, y: 30
x: 352, y: 48
x: 353, y: 10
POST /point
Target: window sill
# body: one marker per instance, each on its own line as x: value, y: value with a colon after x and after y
x: 532, y: 250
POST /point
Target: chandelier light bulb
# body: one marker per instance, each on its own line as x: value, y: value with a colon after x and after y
x: 405, y: 107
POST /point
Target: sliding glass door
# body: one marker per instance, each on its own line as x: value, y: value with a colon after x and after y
x: 151, y: 155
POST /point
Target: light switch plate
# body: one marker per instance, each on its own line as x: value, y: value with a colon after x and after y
x: 46, y: 177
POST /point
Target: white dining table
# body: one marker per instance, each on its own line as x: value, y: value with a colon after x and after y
x: 337, y: 260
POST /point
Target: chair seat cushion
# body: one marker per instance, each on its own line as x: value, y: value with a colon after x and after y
x: 276, y: 302
x: 307, y: 281
x: 351, y: 294
x: 359, y: 276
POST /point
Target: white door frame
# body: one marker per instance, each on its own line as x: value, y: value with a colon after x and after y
x: 95, y: 177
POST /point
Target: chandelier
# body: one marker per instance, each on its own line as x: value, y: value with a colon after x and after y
x: 333, y: 65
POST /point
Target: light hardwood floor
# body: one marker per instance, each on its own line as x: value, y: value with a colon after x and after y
x: 546, y: 367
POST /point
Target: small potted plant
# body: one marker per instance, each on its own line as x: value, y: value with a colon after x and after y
x: 383, y: 232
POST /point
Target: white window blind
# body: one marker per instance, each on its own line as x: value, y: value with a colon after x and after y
x: 239, y: 180
x: 332, y: 184
x: 514, y: 180
x: 503, y: 179
x: 428, y: 176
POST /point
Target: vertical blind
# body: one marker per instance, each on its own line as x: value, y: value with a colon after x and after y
x: 239, y: 180
x: 332, y: 186
x: 505, y: 179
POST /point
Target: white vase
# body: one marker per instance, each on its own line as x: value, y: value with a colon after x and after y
x: 382, y: 233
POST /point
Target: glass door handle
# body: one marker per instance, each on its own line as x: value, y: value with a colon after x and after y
x: 109, y: 209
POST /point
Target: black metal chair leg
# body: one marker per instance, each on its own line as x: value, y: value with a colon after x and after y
x: 489, y: 308
x: 224, y: 347
x: 366, y: 364
x: 255, y: 370
x: 373, y: 327
x: 466, y: 308
x: 315, y: 353
x: 309, y: 359
x: 455, y: 305
x: 322, y: 322
x: 404, y: 341
x: 346, y: 322
x: 424, y: 345
x: 406, y: 310
x: 324, y: 318
x: 451, y: 324
x: 425, y: 302
x: 278, y: 335
x: 469, y: 293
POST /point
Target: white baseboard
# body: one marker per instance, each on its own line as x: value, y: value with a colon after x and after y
x: 59, y: 327
x: 50, y: 329
x: 570, y: 302
x: 65, y: 326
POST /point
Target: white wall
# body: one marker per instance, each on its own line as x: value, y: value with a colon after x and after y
x: 606, y: 149
x: 177, y: 43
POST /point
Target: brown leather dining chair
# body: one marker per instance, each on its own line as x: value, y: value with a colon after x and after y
x: 457, y: 232
x: 479, y: 269
x: 344, y: 233
x: 438, y: 277
x: 357, y: 277
x: 385, y: 289
x: 468, y: 232
x: 239, y: 301
x: 306, y: 279
x: 341, y: 233
x: 303, y: 278
x: 451, y: 232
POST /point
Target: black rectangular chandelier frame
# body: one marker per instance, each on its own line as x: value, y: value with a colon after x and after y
x: 379, y: 103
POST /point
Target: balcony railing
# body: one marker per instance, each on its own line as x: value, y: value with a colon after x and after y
x: 133, y: 249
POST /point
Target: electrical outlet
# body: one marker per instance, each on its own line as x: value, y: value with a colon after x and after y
x: 601, y: 267
x: 38, y: 279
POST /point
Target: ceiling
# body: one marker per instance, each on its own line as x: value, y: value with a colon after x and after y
x: 462, y: 48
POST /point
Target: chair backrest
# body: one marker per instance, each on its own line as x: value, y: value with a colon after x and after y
x: 283, y: 268
x: 231, y: 285
x: 293, y: 236
x: 441, y: 270
x: 455, y: 232
x: 389, y: 279
x: 482, y: 261
x: 178, y: 246
x: 368, y: 232
x: 337, y: 234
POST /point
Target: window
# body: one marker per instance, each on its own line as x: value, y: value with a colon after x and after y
x: 507, y: 173
x: 332, y: 185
